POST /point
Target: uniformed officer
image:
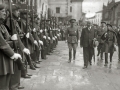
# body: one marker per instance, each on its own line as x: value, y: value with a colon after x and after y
x: 72, y: 36
x: 7, y: 55
x: 110, y: 39
x: 100, y: 32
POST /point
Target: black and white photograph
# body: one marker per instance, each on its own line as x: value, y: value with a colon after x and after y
x: 59, y: 44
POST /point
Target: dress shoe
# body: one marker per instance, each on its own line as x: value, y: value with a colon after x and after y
x: 29, y: 74
x: 105, y: 64
x: 69, y: 61
x: 32, y: 67
x: 84, y: 67
x: 26, y: 76
x: 20, y: 87
x: 36, y: 66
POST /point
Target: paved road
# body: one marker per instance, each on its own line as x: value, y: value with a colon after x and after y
x: 56, y: 74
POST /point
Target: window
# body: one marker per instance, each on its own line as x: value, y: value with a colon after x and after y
x: 70, y: 9
x: 57, y: 9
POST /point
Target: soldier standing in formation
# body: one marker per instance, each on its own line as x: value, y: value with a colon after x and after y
x: 72, y: 36
x: 20, y: 43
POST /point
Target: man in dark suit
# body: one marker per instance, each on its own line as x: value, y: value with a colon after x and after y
x: 86, y: 41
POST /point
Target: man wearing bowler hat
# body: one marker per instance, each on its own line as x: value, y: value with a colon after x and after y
x: 72, y: 36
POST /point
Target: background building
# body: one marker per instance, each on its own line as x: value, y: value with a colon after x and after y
x: 65, y: 9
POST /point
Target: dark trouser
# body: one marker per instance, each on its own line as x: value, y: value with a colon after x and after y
x: 43, y: 53
x: 15, y: 78
x: 5, y: 82
x: 87, y: 54
x: 119, y: 52
x: 106, y: 57
x: 72, y: 46
x: 100, y: 51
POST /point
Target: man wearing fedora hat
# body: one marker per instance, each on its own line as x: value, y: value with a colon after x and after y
x: 72, y: 36
x: 86, y: 41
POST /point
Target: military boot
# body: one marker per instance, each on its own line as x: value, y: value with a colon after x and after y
x: 106, y: 59
x: 70, y: 56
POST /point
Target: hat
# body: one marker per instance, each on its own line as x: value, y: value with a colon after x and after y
x: 109, y: 25
x: 2, y: 6
x: 72, y: 20
x: 15, y: 7
x: 103, y: 22
x: 23, y: 11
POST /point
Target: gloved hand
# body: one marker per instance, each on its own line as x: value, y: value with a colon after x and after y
x: 27, y: 51
x: 53, y: 38
x: 16, y: 56
x: 34, y: 30
x: 35, y: 42
x: 14, y: 37
x: 44, y: 37
x: 41, y: 42
x: 28, y: 35
x: 48, y: 38
x: 41, y: 31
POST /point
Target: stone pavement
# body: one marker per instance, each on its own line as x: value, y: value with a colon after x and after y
x: 56, y: 74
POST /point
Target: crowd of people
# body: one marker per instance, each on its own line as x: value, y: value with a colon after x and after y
x: 25, y: 40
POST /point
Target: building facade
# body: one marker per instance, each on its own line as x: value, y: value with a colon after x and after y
x: 66, y: 9
x: 97, y: 18
x: 111, y: 13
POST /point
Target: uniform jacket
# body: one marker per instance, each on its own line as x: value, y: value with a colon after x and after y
x: 87, y: 37
x: 72, y: 35
x: 6, y: 64
x: 100, y: 32
x: 110, y: 39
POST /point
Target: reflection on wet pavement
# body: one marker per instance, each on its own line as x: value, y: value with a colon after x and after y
x: 56, y: 74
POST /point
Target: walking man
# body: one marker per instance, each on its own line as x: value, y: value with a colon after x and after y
x: 86, y: 41
x: 72, y: 36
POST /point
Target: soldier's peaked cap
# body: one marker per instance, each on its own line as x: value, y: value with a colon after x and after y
x: 109, y: 25
x: 103, y: 22
x: 15, y: 7
x: 2, y: 6
x: 72, y: 20
x: 23, y: 11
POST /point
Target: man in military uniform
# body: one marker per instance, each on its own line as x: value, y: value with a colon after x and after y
x: 86, y: 41
x: 100, y: 32
x: 72, y: 36
x: 110, y: 39
x: 7, y: 55
x: 20, y: 48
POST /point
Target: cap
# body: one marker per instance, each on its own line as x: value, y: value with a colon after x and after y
x: 15, y: 7
x: 72, y: 20
x: 103, y: 22
x: 2, y: 6
x: 109, y: 25
x: 23, y: 11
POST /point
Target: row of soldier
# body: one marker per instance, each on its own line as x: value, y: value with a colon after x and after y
x: 23, y: 42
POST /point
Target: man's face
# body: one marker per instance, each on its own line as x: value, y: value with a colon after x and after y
x: 103, y: 24
x: 16, y: 13
x: 72, y: 24
x: 88, y: 24
x: 2, y: 14
x: 109, y: 27
x: 114, y: 27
